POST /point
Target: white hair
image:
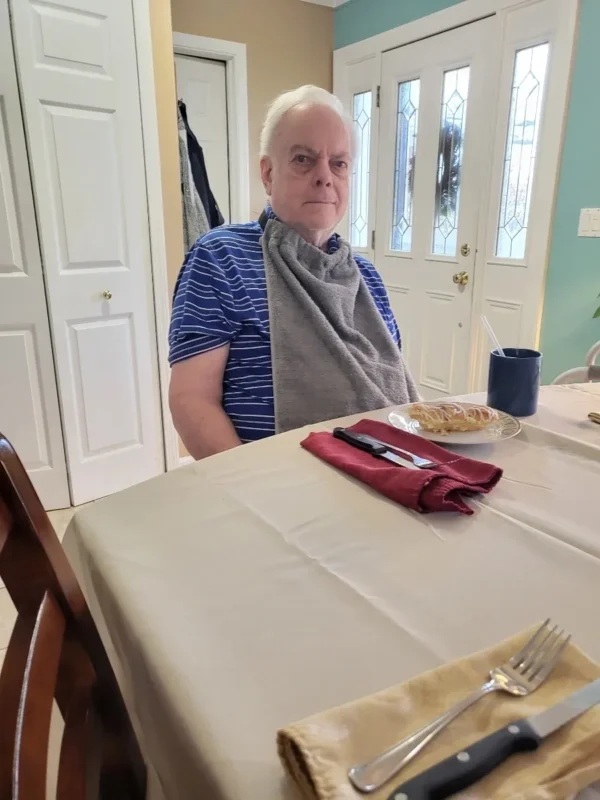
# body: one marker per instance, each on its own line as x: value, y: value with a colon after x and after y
x: 304, y: 96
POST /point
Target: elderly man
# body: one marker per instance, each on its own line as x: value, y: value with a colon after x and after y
x: 276, y: 324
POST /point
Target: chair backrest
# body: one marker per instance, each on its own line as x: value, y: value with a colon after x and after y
x: 587, y: 374
x: 55, y: 653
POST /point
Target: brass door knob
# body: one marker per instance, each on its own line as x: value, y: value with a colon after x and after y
x: 465, y: 250
x: 107, y: 295
x: 461, y: 278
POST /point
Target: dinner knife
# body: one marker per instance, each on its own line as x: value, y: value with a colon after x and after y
x: 372, y: 446
x: 479, y: 759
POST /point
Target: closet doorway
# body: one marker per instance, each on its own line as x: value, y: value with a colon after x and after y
x: 202, y: 86
x: 212, y: 80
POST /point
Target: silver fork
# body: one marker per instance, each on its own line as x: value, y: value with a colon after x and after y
x: 521, y: 675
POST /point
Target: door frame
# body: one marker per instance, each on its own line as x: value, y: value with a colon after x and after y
x: 236, y: 80
x: 234, y: 55
x: 156, y: 217
x: 463, y: 13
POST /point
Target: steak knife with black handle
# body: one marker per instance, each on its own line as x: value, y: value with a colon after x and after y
x: 372, y: 446
x: 479, y: 759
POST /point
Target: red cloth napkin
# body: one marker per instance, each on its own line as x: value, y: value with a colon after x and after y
x: 441, y: 488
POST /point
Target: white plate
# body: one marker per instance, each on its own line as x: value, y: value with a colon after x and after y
x: 504, y: 428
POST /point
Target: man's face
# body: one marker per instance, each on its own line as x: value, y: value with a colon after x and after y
x: 307, y: 174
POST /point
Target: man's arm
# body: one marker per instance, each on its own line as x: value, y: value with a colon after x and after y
x: 195, y: 398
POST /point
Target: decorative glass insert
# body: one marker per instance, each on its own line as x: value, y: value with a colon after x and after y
x: 450, y: 159
x: 359, y: 187
x: 529, y: 77
x: 404, y: 178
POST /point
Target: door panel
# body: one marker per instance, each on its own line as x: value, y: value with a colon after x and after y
x: 506, y: 318
x: 70, y: 38
x: 11, y: 256
x: 99, y: 348
x: 435, y: 120
x: 202, y: 85
x: 29, y: 414
x: 439, y: 313
x: 22, y: 405
x: 86, y: 196
x: 400, y: 301
x: 77, y: 66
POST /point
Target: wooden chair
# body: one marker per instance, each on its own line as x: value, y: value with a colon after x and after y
x: 587, y: 374
x: 55, y: 652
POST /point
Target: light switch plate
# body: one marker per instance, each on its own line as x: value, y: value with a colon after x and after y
x: 589, y: 222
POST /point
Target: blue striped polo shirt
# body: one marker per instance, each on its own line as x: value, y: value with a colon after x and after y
x: 221, y: 298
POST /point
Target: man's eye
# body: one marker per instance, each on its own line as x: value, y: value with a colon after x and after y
x: 341, y: 165
x: 301, y: 159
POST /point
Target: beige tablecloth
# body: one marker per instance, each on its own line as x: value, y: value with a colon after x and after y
x: 260, y: 586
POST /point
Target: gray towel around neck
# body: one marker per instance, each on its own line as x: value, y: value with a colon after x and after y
x: 332, y: 352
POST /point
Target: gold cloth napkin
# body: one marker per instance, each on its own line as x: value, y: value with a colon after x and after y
x: 318, y: 751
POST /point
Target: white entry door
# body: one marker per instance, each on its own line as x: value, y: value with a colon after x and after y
x: 456, y: 171
x: 434, y: 136
x: 76, y: 61
x: 29, y: 415
x: 202, y: 85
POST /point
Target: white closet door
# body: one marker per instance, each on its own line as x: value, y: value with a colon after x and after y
x: 29, y: 415
x: 202, y: 85
x: 77, y: 66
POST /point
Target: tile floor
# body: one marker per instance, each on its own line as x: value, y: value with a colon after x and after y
x: 60, y: 519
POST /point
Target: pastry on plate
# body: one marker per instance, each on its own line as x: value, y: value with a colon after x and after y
x: 451, y: 417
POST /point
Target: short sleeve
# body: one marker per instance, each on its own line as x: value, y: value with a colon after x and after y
x: 204, y: 315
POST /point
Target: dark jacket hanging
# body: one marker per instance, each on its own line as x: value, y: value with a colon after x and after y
x: 200, y: 175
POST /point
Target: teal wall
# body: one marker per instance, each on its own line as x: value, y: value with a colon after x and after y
x: 573, y: 281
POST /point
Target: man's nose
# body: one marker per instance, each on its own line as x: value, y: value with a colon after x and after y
x: 323, y: 174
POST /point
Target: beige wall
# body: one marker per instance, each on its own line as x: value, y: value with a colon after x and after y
x: 166, y: 100
x: 289, y: 43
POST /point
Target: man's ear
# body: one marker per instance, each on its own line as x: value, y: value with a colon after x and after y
x: 266, y: 173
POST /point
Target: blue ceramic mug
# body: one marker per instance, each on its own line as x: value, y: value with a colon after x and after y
x: 514, y: 381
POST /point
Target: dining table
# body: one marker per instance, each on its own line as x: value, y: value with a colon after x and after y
x: 259, y: 586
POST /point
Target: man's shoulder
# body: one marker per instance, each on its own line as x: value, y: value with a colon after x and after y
x: 367, y: 268
x: 363, y: 262
x: 231, y: 236
x: 233, y: 250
